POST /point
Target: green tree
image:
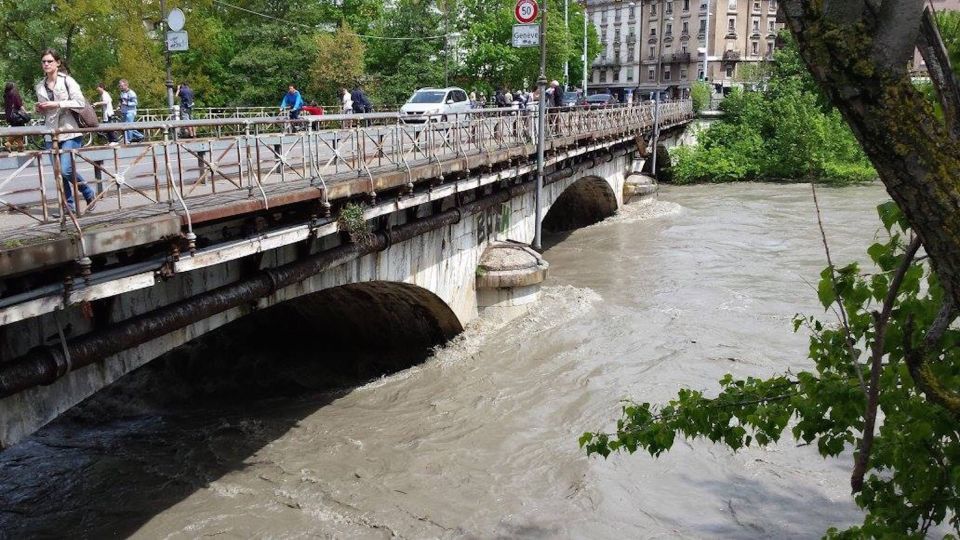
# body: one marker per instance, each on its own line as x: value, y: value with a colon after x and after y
x: 338, y: 64
x: 786, y: 131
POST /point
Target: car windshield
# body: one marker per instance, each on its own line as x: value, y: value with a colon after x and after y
x: 599, y: 97
x: 571, y: 95
x: 428, y: 96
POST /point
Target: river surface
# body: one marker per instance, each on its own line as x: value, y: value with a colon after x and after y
x: 480, y: 441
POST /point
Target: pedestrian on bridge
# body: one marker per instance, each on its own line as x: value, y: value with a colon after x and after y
x: 57, y: 91
x: 128, y: 110
x: 292, y: 100
x: 14, y: 112
x: 185, y: 93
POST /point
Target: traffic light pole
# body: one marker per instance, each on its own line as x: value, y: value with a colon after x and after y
x: 541, y: 125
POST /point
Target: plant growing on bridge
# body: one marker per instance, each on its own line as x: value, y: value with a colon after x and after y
x: 352, y: 222
x: 882, y: 383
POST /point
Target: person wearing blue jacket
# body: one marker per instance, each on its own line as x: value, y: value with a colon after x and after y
x: 293, y: 101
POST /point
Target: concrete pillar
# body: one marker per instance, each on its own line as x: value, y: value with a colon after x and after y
x: 508, y: 280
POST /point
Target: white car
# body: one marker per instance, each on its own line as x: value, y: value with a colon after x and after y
x: 436, y: 105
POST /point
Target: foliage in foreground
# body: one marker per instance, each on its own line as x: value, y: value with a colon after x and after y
x: 890, y: 362
x: 785, y: 132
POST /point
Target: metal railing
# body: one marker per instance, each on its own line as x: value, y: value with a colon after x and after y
x: 241, y: 158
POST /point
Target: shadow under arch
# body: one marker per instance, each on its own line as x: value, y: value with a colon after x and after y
x: 587, y: 201
x: 201, y: 411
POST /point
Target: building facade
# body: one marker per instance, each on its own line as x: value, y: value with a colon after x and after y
x: 650, y: 45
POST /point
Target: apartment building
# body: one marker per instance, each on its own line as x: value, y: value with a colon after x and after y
x: 651, y: 45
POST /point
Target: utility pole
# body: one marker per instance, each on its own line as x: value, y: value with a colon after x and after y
x: 166, y: 51
x: 541, y: 125
x: 566, y: 60
x: 586, y: 73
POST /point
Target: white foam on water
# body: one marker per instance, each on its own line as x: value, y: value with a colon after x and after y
x: 644, y: 210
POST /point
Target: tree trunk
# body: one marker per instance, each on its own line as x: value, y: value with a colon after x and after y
x: 858, y: 61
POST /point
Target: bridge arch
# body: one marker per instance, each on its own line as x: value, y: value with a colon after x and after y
x: 335, y: 337
x: 588, y: 200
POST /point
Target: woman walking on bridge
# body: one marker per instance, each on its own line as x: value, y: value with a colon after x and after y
x: 55, y: 92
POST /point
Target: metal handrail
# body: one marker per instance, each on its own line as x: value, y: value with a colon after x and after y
x: 256, y: 154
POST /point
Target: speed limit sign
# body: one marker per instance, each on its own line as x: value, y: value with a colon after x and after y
x: 526, y: 11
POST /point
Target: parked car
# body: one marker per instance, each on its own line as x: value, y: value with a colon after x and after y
x: 572, y: 99
x: 436, y: 105
x: 600, y: 100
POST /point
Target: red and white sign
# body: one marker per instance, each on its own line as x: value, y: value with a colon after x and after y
x: 526, y: 11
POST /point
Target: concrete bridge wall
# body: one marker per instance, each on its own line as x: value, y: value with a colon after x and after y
x: 442, y: 261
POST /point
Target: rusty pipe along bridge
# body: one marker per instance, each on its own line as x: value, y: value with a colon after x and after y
x: 171, y: 212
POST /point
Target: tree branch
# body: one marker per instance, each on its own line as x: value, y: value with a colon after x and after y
x: 854, y: 358
x: 898, y: 24
x: 916, y: 360
x: 880, y: 320
x: 934, y: 53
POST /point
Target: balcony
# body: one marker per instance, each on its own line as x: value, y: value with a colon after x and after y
x: 676, y: 58
x: 731, y: 56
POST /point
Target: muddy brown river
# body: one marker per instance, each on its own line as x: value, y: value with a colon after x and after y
x: 480, y: 441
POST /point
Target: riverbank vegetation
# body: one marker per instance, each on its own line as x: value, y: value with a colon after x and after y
x: 784, y: 131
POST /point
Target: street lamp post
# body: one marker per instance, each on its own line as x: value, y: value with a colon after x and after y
x: 541, y: 125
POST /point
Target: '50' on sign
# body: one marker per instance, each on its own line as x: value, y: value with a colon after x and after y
x: 526, y: 11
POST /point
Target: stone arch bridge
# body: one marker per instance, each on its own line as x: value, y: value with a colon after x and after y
x: 365, y: 233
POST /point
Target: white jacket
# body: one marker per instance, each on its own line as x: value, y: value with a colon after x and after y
x: 67, y: 92
x: 346, y: 103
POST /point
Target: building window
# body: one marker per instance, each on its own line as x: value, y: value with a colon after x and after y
x: 683, y: 74
x: 630, y: 74
x: 653, y: 9
x: 755, y: 47
x: 756, y: 6
x: 773, y: 5
x: 631, y: 51
x: 616, y: 75
x: 669, y: 29
x: 699, y: 74
x: 732, y: 25
x: 732, y: 5
x: 651, y: 74
x: 633, y: 12
x: 683, y: 48
x: 669, y: 8
x: 603, y: 75
x: 653, y: 32
x: 686, y: 27
x: 756, y: 26
x: 686, y: 5
x: 773, y: 26
x: 666, y: 74
x: 703, y: 26
x: 770, y: 48
x: 616, y: 36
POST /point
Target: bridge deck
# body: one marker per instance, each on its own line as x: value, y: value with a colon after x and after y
x: 149, y: 191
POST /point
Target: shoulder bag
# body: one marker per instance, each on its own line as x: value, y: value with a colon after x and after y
x: 86, y: 116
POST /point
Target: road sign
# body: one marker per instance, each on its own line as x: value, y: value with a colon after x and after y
x: 526, y: 11
x: 526, y: 35
x: 177, y: 41
x: 176, y: 19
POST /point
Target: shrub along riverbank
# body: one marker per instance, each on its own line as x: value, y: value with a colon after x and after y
x: 784, y: 132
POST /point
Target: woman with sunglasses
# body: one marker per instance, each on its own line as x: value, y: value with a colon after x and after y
x: 57, y: 94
